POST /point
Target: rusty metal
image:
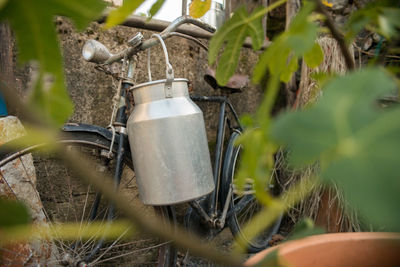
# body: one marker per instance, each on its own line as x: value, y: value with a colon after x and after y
x: 140, y: 22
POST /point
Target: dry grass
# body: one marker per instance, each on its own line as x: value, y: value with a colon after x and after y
x: 344, y: 219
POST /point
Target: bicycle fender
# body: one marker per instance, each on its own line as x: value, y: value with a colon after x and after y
x: 88, y: 128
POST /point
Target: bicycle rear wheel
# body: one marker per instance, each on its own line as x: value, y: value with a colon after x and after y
x: 55, y: 196
x: 243, y: 207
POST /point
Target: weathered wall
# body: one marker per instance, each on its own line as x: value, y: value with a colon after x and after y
x: 92, y: 91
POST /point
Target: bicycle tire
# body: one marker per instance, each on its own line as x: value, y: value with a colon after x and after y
x: 242, y: 209
x: 60, y: 195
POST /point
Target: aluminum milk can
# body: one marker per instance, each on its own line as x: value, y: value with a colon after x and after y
x: 168, y: 142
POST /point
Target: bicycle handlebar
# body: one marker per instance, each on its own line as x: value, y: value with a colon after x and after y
x: 166, y: 33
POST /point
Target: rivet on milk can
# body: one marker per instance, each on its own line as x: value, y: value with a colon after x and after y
x: 168, y: 141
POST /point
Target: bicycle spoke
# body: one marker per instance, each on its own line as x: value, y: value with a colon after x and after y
x: 110, y: 247
x: 65, y: 200
x: 133, y: 252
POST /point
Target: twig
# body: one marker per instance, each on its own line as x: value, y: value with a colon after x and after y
x: 336, y: 34
x: 373, y: 55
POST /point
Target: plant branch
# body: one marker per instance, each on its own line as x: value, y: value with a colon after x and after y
x: 337, y: 34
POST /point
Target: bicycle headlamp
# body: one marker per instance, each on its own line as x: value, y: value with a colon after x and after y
x: 94, y: 51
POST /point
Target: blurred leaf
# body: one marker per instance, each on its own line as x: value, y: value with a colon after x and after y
x: 273, y: 59
x: 247, y: 120
x: 290, y: 69
x: 272, y: 259
x: 155, y: 8
x: 67, y: 231
x: 233, y: 33
x: 299, y: 39
x: 117, y: 16
x: 358, y: 144
x: 326, y: 3
x: 198, y: 8
x: 2, y: 3
x: 305, y: 228
x: 315, y: 56
x: 260, y: 221
x: 302, y: 32
x: 323, y: 77
x: 12, y: 213
x: 378, y: 16
x: 270, y: 213
x: 33, y: 24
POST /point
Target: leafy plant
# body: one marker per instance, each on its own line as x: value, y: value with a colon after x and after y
x: 13, y: 213
x: 352, y: 138
x: 356, y: 141
x: 281, y: 57
x: 117, y: 16
x: 199, y: 7
x: 381, y: 17
x: 233, y: 33
x: 32, y: 22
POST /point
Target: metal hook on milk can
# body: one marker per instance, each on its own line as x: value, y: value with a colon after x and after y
x: 169, y: 71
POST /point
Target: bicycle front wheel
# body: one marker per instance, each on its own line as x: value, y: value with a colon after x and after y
x: 55, y: 196
x: 243, y: 207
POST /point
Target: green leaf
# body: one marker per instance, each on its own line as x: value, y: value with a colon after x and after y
x: 302, y: 32
x: 378, y: 16
x: 357, y: 143
x: 272, y: 259
x: 234, y: 33
x: 12, y: 213
x: 117, y: 16
x: 235, y: 39
x: 315, y: 56
x: 33, y: 24
x: 198, y: 8
x: 118, y: 229
x: 305, y: 228
x: 290, y: 69
x: 281, y: 56
x: 156, y: 7
x: 2, y: 3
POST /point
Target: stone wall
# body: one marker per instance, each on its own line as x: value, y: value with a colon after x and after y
x: 92, y: 91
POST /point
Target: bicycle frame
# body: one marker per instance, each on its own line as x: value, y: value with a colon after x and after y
x: 211, y: 215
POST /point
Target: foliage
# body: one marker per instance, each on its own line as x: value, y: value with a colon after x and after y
x: 21, y: 232
x: 118, y: 15
x: 2, y: 3
x: 304, y: 228
x: 32, y: 22
x: 233, y: 33
x: 199, y: 7
x: 354, y: 140
x: 282, y: 55
x: 381, y: 17
x: 13, y: 213
x: 357, y: 142
x: 155, y: 8
x: 280, y: 59
x: 272, y: 259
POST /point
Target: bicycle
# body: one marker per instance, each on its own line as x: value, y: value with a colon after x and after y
x: 110, y: 151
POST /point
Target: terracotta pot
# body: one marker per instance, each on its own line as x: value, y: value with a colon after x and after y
x: 338, y: 249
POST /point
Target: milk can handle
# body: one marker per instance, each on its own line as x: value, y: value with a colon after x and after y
x: 169, y: 71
